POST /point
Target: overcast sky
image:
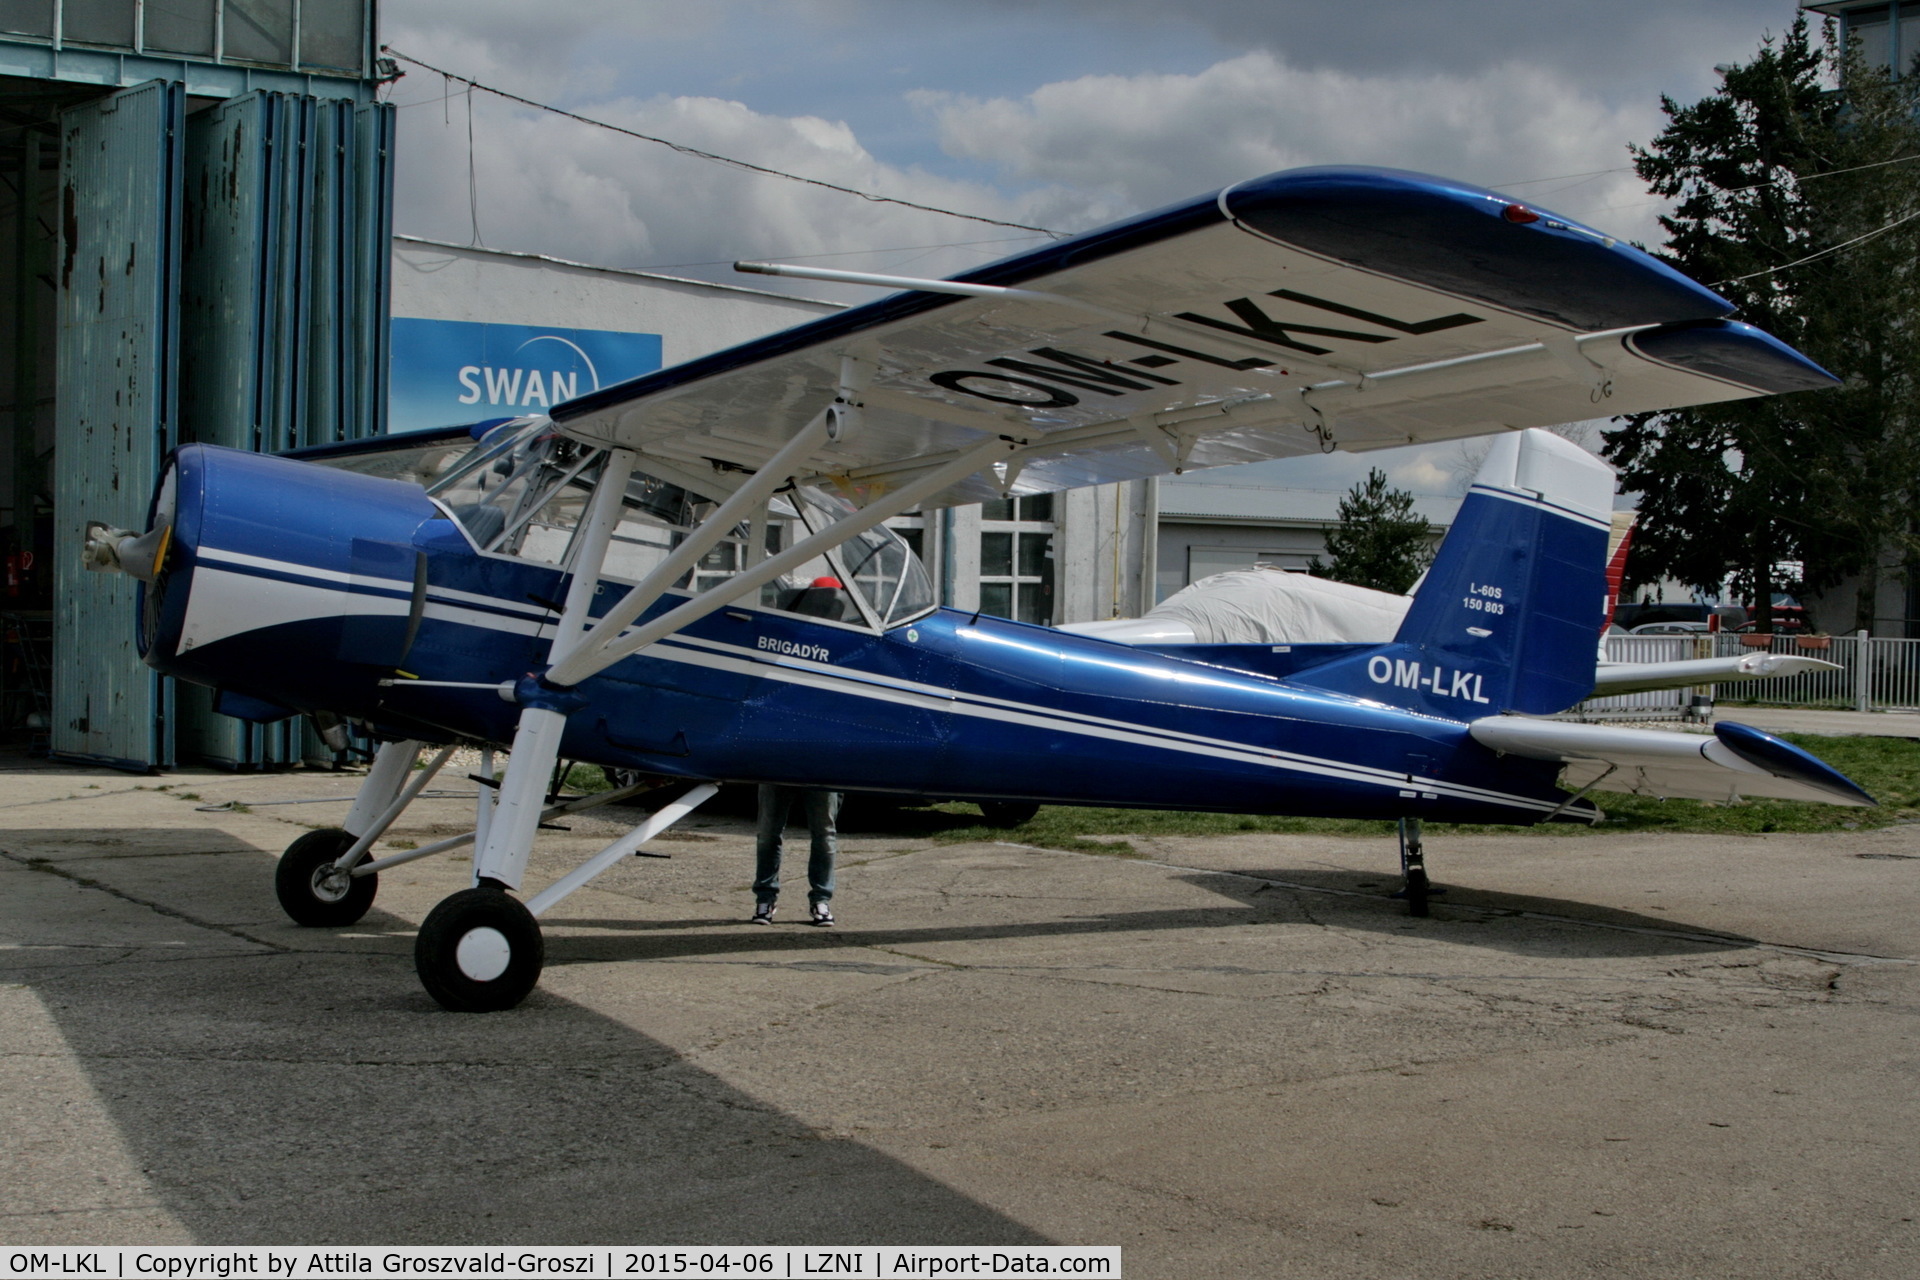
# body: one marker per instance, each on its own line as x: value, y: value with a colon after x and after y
x: 1059, y: 113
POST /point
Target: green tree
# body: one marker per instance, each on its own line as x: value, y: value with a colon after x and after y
x: 1790, y: 200
x: 1380, y: 542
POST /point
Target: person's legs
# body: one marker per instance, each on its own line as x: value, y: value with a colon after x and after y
x: 775, y: 803
x: 823, y: 811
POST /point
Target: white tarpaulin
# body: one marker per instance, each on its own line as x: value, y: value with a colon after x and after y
x: 1262, y: 606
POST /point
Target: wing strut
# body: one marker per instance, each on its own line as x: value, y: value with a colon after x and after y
x: 502, y: 860
x: 747, y: 502
x: 547, y: 699
x: 588, y: 659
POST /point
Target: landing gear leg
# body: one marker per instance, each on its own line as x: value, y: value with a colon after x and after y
x: 1413, y: 868
x: 311, y: 890
x: 481, y: 950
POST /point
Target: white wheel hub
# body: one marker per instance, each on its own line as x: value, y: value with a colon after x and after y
x: 483, y: 954
x: 328, y: 884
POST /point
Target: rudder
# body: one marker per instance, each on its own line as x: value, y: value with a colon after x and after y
x: 1505, y: 618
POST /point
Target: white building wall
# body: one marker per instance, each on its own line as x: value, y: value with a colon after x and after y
x: 1104, y: 533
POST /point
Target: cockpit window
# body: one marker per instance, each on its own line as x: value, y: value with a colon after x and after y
x: 872, y: 579
x: 890, y: 579
x: 521, y: 492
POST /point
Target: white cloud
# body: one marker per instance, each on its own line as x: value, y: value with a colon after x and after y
x: 553, y: 185
x: 1142, y: 140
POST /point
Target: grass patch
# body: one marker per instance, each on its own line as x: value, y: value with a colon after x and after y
x: 1889, y: 768
x: 587, y: 779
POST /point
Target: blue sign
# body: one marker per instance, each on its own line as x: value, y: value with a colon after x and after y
x: 448, y: 372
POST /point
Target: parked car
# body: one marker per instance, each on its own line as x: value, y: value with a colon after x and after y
x: 1669, y: 629
x: 1790, y: 619
x: 1632, y: 617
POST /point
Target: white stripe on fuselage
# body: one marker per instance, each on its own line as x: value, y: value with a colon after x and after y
x: 243, y: 594
x: 933, y: 698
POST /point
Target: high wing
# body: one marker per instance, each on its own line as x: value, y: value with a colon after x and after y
x: 1736, y: 761
x: 1306, y: 311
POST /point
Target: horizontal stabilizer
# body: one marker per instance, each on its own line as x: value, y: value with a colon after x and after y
x: 1736, y: 761
x: 1640, y: 677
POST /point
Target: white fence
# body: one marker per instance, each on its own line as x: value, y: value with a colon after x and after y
x: 1875, y: 674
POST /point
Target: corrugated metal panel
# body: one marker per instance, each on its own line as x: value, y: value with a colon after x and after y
x: 222, y: 264
x: 371, y: 289
x: 115, y: 407
x: 289, y: 213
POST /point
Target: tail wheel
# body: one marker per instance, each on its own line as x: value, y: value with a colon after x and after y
x: 310, y: 893
x: 479, y: 951
x: 1007, y: 813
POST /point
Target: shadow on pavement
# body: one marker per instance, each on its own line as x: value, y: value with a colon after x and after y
x: 273, y: 1095
x: 1349, y: 900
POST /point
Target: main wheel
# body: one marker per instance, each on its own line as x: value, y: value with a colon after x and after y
x: 1007, y: 813
x: 309, y: 894
x: 479, y: 951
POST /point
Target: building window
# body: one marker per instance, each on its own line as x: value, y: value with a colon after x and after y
x: 1873, y: 28
x: 913, y: 531
x: 1889, y: 34
x: 1016, y: 558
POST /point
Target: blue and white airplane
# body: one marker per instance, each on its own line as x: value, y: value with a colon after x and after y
x: 689, y: 573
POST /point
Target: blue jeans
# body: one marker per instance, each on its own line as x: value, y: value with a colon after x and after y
x: 776, y: 805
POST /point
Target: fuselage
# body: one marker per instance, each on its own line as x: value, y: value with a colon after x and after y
x: 314, y: 589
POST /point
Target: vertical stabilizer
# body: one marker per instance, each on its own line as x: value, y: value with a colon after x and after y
x: 1505, y: 618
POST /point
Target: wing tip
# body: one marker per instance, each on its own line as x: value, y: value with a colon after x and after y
x: 1732, y: 351
x: 1461, y: 238
x: 1783, y: 759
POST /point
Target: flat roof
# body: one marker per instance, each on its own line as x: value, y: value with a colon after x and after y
x: 618, y: 271
x: 1206, y: 502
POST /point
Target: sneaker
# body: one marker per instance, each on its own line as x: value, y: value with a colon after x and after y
x: 763, y: 913
x: 822, y: 916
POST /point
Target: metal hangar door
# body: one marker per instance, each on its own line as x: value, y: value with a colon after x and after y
x: 115, y: 406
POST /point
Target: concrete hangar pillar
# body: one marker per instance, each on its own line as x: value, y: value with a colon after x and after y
x: 195, y: 205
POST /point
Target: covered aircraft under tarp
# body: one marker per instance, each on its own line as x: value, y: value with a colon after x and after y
x: 1260, y: 606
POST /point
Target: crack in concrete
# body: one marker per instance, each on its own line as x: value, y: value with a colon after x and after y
x: 81, y: 795
x: 577, y: 1068
x: 164, y: 853
x: 87, y: 882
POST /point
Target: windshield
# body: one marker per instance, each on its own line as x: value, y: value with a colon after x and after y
x: 522, y: 490
x: 882, y: 568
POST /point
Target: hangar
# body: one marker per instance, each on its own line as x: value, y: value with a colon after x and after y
x: 195, y: 205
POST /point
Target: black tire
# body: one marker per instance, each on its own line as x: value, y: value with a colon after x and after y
x: 297, y: 882
x: 1007, y: 813
x: 471, y: 985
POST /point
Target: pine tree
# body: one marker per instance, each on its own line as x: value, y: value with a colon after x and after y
x: 1380, y: 542
x: 1789, y: 200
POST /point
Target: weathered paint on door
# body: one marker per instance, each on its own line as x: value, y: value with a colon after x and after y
x: 115, y: 408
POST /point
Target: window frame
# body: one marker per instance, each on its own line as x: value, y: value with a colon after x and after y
x: 1015, y: 527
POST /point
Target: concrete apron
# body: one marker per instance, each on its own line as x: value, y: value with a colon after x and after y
x: 1651, y: 1056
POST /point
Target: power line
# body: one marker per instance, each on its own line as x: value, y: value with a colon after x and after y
x: 844, y: 253
x: 1534, y: 182
x: 683, y: 149
x: 1835, y: 248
